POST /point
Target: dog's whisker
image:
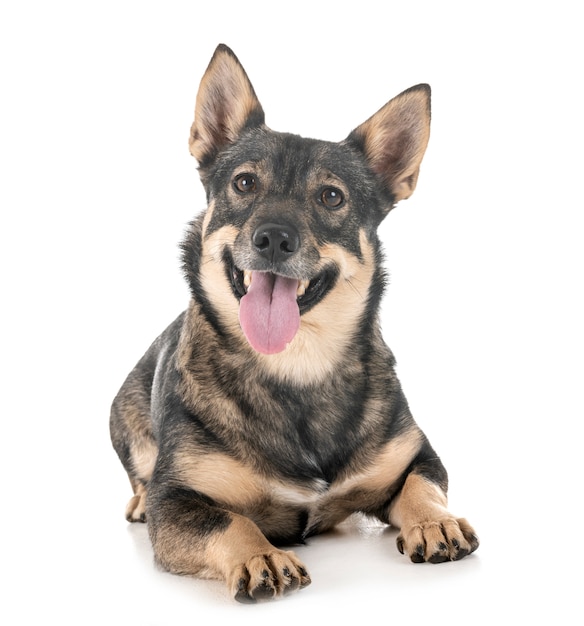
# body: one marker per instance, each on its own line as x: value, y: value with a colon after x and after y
x: 351, y: 282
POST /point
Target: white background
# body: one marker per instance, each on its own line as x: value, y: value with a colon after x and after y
x: 484, y: 310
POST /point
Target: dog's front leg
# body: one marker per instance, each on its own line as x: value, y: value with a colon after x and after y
x: 428, y: 531
x: 192, y: 536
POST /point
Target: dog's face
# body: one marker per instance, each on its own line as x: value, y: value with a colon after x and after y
x: 289, y: 226
x: 290, y: 255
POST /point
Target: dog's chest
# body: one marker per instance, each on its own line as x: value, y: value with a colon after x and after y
x: 281, y: 508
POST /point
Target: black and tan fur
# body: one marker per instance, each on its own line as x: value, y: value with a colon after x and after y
x: 232, y: 452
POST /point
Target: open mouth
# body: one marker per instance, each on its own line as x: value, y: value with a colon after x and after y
x: 270, y: 305
x: 308, y: 291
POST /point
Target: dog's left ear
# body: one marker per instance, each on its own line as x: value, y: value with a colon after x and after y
x: 226, y: 105
x: 394, y: 140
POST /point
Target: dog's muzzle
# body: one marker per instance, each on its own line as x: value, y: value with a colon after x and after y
x: 272, y: 298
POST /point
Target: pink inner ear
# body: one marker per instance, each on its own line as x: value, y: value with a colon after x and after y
x: 226, y: 102
x: 395, y: 139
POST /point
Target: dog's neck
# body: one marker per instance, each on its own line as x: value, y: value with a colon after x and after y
x: 314, y: 356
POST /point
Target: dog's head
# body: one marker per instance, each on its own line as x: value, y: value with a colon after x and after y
x: 287, y: 250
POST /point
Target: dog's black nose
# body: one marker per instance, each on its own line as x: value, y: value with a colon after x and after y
x: 276, y: 242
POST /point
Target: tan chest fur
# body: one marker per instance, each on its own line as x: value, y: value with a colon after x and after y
x: 271, y: 501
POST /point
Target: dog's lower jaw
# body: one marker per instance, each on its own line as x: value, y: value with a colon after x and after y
x: 310, y: 358
x: 322, y: 341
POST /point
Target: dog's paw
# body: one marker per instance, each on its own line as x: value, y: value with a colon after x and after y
x: 136, y: 509
x: 268, y: 576
x: 448, y: 539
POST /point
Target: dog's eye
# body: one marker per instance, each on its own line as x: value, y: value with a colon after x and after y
x: 244, y: 183
x: 332, y: 198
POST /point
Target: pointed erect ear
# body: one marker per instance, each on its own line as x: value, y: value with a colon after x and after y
x: 226, y: 105
x: 395, y: 138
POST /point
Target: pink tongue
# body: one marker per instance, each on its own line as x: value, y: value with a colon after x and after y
x: 268, y: 313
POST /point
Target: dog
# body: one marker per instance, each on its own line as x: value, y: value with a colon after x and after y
x: 269, y: 411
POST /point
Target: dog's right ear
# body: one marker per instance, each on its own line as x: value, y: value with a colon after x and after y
x: 226, y: 105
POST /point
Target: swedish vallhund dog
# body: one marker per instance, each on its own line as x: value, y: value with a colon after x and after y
x: 269, y: 411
